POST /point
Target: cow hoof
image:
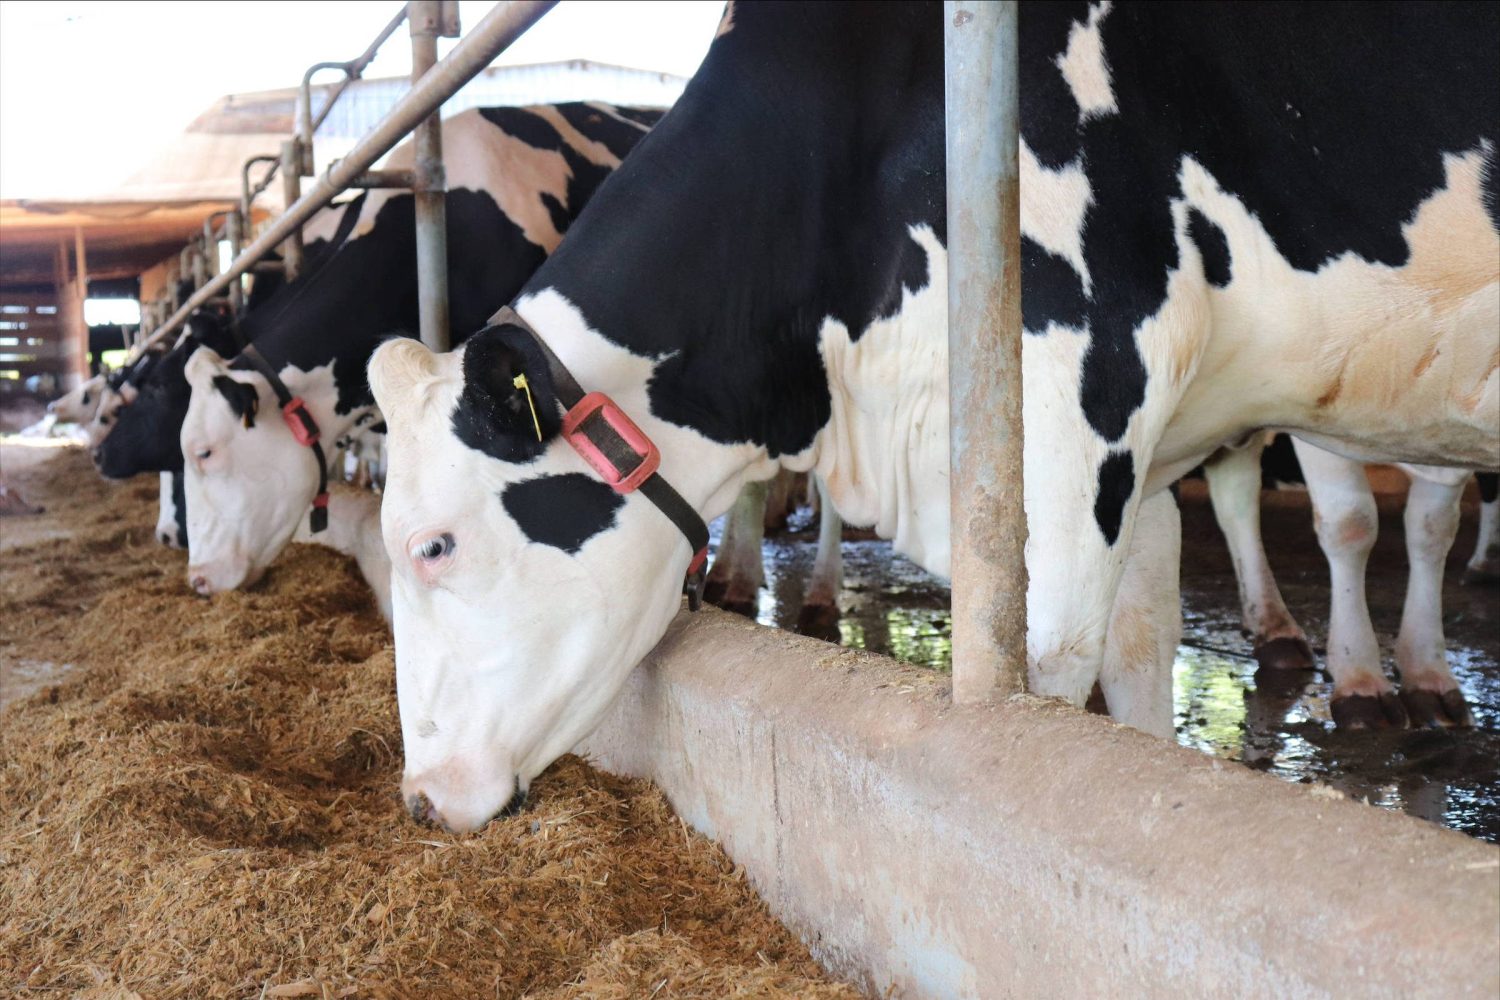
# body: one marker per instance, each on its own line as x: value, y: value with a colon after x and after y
x: 820, y: 621
x: 1483, y: 575
x: 747, y: 606
x: 1437, y: 709
x: 1355, y: 712
x: 714, y: 591
x: 1285, y: 653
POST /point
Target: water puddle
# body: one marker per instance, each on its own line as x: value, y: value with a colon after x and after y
x: 1447, y: 777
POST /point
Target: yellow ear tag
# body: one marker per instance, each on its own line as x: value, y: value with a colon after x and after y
x: 520, y: 383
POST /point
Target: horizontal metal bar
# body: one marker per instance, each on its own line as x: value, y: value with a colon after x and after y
x: 384, y: 179
x: 501, y: 26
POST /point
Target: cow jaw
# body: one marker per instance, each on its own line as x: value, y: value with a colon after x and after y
x: 514, y: 634
x: 247, y: 481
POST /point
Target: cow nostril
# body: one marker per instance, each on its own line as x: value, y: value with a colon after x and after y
x: 200, y: 584
x: 421, y: 809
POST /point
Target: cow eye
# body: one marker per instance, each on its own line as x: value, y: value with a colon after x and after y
x: 436, y: 547
x: 203, y: 455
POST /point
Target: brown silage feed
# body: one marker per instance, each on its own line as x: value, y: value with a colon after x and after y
x: 207, y: 805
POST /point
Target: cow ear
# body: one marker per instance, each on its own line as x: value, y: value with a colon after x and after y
x: 508, y: 408
x: 242, y: 397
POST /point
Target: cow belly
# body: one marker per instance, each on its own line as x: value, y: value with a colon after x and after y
x: 1375, y: 362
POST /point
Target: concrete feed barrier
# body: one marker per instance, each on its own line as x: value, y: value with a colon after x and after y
x: 1029, y: 849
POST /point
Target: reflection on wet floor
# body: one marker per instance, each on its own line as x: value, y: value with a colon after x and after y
x: 1283, y: 728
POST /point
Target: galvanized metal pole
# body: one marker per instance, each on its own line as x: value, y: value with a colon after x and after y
x: 425, y: 18
x: 291, y: 189
x: 501, y: 26
x: 235, y: 235
x: 984, y: 350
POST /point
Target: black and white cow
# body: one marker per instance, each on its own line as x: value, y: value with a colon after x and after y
x: 516, y: 177
x: 1217, y: 237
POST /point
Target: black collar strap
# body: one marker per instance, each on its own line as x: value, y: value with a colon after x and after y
x: 621, y: 453
x: 303, y: 427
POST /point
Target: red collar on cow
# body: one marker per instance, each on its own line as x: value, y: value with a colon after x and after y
x: 621, y: 453
x: 303, y: 427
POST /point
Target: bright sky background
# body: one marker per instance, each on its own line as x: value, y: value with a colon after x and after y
x: 89, y: 89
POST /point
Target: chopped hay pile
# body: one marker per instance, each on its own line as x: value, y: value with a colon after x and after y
x: 208, y: 807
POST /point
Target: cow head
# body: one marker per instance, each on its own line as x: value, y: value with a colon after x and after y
x: 141, y: 409
x: 247, y: 481
x: 523, y: 588
x: 79, y: 405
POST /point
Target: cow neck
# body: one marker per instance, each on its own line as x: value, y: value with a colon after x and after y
x: 294, y: 411
x: 598, y: 436
x: 304, y: 428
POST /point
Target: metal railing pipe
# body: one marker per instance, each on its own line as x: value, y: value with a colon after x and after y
x: 234, y: 233
x: 425, y: 20
x: 291, y: 191
x: 247, y: 193
x: 501, y: 26
x: 987, y: 503
x: 353, y: 70
x: 395, y: 178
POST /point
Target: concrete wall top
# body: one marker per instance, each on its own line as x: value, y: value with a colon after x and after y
x: 1030, y: 849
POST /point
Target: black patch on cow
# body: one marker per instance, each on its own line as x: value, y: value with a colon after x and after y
x: 493, y: 415
x: 641, y: 116
x: 585, y: 175
x: 616, y: 136
x: 1051, y: 290
x: 242, y: 398
x: 1116, y: 484
x: 779, y: 191
x: 179, y: 509
x: 1328, y: 122
x: 562, y: 511
x: 1489, y: 486
x: 1212, y: 246
x: 1042, y: 36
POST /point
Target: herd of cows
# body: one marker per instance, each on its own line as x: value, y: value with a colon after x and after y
x: 1234, y: 218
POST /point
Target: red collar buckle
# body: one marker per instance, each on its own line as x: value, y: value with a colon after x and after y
x: 605, y: 437
x: 301, y: 423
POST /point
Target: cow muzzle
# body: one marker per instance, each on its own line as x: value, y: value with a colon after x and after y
x: 433, y: 798
x: 211, y: 578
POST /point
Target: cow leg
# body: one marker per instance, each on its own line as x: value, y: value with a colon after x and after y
x: 1145, y: 625
x: 1346, y: 521
x: 820, y: 608
x: 738, y: 571
x: 1233, y: 476
x: 781, y: 500
x: 1484, y: 564
x: 1428, y: 690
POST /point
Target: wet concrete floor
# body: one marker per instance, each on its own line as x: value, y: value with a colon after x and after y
x: 1447, y: 777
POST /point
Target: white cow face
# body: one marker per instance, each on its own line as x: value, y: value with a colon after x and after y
x: 107, y: 408
x: 523, y: 589
x: 78, y: 406
x: 247, y: 480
